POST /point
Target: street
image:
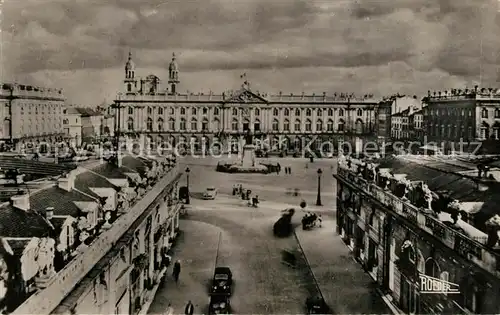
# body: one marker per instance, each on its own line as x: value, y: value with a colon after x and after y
x: 226, y: 232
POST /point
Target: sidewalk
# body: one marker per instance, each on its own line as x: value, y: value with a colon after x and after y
x: 196, y: 248
x: 346, y: 288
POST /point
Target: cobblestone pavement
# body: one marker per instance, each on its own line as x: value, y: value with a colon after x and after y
x: 263, y: 284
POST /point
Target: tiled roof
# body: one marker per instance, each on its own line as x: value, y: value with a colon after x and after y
x: 457, y: 186
x: 86, y: 180
x: 135, y: 164
x: 61, y: 200
x: 34, y: 167
x: 108, y: 170
x: 19, y: 223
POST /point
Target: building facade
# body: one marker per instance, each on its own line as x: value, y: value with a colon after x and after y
x: 416, y: 123
x: 470, y: 114
x: 383, y: 119
x: 402, y: 231
x: 83, y: 125
x: 144, y: 108
x: 30, y: 114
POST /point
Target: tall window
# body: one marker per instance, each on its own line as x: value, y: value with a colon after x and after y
x: 182, y: 126
x: 149, y: 124
x: 330, y: 112
x: 234, y: 125
x: 297, y: 125
x: 286, y: 112
x: 360, y: 112
x: 484, y: 113
x: 131, y: 110
x: 297, y: 112
x: 320, y: 113
x: 193, y: 111
x: 150, y: 111
x: 204, y: 125
x: 216, y: 110
x: 171, y: 124
x: 329, y: 125
x: 286, y: 125
x: 129, y: 87
x: 275, y: 125
x: 341, y: 126
x: 497, y: 113
x: 235, y: 112
x: 275, y: 112
x: 308, y: 112
x: 183, y: 111
x: 172, y: 111
x: 341, y: 112
x: 160, y: 124
x: 257, y: 112
x: 205, y: 110
x: 130, y: 124
x: 160, y: 110
x: 194, y: 124
x: 319, y: 125
x: 308, y: 125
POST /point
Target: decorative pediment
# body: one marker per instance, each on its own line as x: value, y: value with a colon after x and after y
x: 246, y: 96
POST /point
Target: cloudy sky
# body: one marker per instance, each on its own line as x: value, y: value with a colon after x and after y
x: 365, y: 46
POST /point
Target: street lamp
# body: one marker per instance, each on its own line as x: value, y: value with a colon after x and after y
x: 187, y: 182
x: 318, y: 199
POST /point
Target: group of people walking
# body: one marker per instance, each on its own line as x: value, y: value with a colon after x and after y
x: 189, y: 308
x: 245, y: 195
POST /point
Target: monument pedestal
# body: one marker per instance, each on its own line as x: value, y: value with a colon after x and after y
x: 248, y: 158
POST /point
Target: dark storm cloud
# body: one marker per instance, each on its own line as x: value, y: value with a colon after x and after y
x: 454, y: 36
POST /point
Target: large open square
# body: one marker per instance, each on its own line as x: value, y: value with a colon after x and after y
x: 227, y: 232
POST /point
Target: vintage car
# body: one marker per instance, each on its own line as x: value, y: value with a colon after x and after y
x: 219, y: 304
x: 210, y: 193
x: 222, y: 281
x: 317, y: 305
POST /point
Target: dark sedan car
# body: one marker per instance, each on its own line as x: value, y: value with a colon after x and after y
x: 219, y: 304
x: 222, y: 281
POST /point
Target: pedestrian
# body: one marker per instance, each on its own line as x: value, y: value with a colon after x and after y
x: 286, y: 170
x: 177, y: 270
x: 189, y: 309
x: 290, y: 170
x: 320, y: 220
x: 169, y: 310
x: 278, y: 169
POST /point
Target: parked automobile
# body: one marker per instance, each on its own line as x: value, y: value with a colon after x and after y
x: 222, y: 281
x: 219, y: 304
x: 210, y: 193
x: 317, y: 305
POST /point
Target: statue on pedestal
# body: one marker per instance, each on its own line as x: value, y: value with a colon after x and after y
x: 248, y: 138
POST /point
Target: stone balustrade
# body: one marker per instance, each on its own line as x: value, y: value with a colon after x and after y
x: 472, y: 248
x: 46, y: 300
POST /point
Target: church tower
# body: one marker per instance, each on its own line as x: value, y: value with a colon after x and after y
x: 130, y: 80
x: 173, y: 75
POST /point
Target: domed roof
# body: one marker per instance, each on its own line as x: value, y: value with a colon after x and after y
x: 173, y: 64
x: 130, y: 65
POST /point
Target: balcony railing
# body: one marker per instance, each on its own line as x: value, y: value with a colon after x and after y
x: 46, y: 300
x: 468, y: 247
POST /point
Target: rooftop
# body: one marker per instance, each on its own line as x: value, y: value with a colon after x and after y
x: 83, y: 111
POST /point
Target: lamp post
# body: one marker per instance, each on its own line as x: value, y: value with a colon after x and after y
x: 318, y: 199
x: 187, y: 184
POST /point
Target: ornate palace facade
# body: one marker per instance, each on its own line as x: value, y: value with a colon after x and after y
x: 146, y: 110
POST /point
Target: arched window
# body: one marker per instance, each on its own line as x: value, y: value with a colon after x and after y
x: 130, y: 110
x: 205, y: 110
x: 257, y: 112
x: 276, y: 125
x: 204, y: 124
x: 183, y: 124
x: 172, y: 111
x: 194, y: 124
x: 360, y: 112
x: 234, y: 124
x: 183, y: 111
x: 149, y: 124
x: 420, y: 262
x: 308, y: 112
x: 171, y: 124
x: 275, y: 112
x: 484, y: 113
x: 130, y: 124
x: 330, y: 112
x: 341, y: 112
x: 160, y: 110
x: 216, y: 111
x: 160, y: 124
x: 193, y: 111
x: 319, y: 125
x: 286, y: 125
x: 329, y: 125
x: 235, y: 111
x: 308, y: 125
x: 432, y: 268
x: 286, y: 112
x: 297, y: 112
x: 341, y: 126
x: 320, y: 113
x: 297, y: 126
x: 359, y: 126
x: 150, y: 111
